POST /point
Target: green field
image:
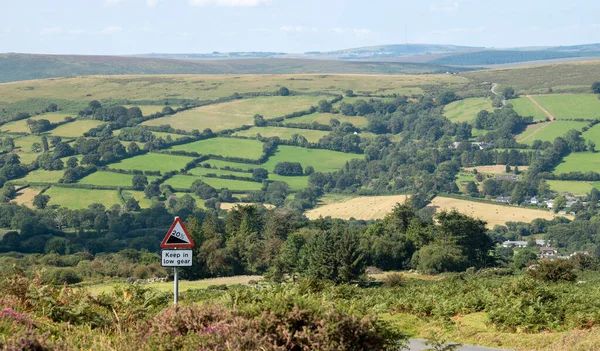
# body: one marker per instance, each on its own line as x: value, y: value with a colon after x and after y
x: 593, y: 134
x: 227, y: 147
x: 574, y: 187
x: 153, y: 162
x: 74, y: 198
x: 295, y: 183
x: 200, y: 171
x: 21, y: 126
x: 40, y: 176
x: 548, y: 131
x: 222, y: 164
x: 110, y: 179
x: 236, y: 113
x: 324, y: 118
x: 142, y: 200
x: 76, y: 128
x: 571, y: 106
x: 312, y: 136
x: 156, y: 134
x: 466, y: 110
x: 321, y: 160
x: 579, y: 161
x: 525, y: 107
x: 148, y: 110
x: 185, y: 182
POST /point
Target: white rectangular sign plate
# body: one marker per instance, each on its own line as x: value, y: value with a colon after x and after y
x: 176, y: 258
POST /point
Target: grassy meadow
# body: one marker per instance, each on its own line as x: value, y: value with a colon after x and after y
x: 548, y: 131
x: 571, y: 106
x: 312, y: 136
x: 153, y: 162
x: 76, y: 128
x: 579, y: 161
x: 110, y: 179
x: 223, y: 164
x: 236, y: 113
x: 525, y: 107
x: 593, y: 134
x: 227, y: 147
x: 466, y: 110
x: 573, y: 187
x: 139, y: 196
x: 74, y: 198
x: 185, y: 182
x: 40, y: 176
x: 321, y: 160
x: 21, y: 126
x: 211, y: 87
x: 324, y: 118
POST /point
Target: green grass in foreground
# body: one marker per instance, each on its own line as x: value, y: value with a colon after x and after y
x: 579, y: 161
x: 525, y: 107
x: 227, y: 147
x: 324, y: 118
x: 74, y: 198
x: 321, y: 160
x: 185, y: 182
x: 76, y: 128
x: 574, y: 187
x: 283, y: 133
x: 549, y: 131
x: 110, y: 179
x: 41, y: 176
x: 466, y: 110
x: 571, y: 106
x: 153, y: 162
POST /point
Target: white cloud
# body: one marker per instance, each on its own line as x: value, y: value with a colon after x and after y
x: 111, y: 30
x: 151, y: 3
x: 453, y: 7
x: 51, y: 31
x: 292, y: 28
x: 111, y: 2
x: 361, y: 31
x: 76, y: 31
x: 339, y: 30
x: 228, y: 3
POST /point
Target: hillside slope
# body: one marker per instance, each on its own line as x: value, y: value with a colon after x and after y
x: 16, y: 67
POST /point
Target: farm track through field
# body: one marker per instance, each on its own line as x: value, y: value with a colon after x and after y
x: 541, y: 108
x: 535, y: 132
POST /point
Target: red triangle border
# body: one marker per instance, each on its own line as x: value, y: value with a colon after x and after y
x: 164, y: 244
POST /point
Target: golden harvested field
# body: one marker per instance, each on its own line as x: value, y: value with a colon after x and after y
x: 236, y: 113
x: 497, y: 169
x: 492, y: 214
x: 25, y: 196
x: 364, y: 207
x: 377, y: 207
x: 159, y: 87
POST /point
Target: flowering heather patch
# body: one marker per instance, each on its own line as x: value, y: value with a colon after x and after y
x: 14, y: 316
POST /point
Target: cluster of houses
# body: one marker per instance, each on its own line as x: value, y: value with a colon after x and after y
x: 571, y: 200
x: 545, y: 250
x: 480, y: 145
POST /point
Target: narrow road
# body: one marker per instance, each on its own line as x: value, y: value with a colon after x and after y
x: 419, y: 345
x: 493, y: 90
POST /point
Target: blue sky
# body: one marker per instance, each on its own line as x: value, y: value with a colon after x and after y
x: 176, y: 26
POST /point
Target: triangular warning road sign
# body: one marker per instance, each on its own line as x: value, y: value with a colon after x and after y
x: 177, y: 237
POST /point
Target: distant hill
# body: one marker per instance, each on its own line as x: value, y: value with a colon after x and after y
x: 400, y: 50
x: 498, y: 57
x: 16, y: 67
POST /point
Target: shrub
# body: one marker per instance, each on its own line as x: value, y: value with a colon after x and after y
x: 62, y: 276
x: 393, y: 280
x: 553, y: 271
